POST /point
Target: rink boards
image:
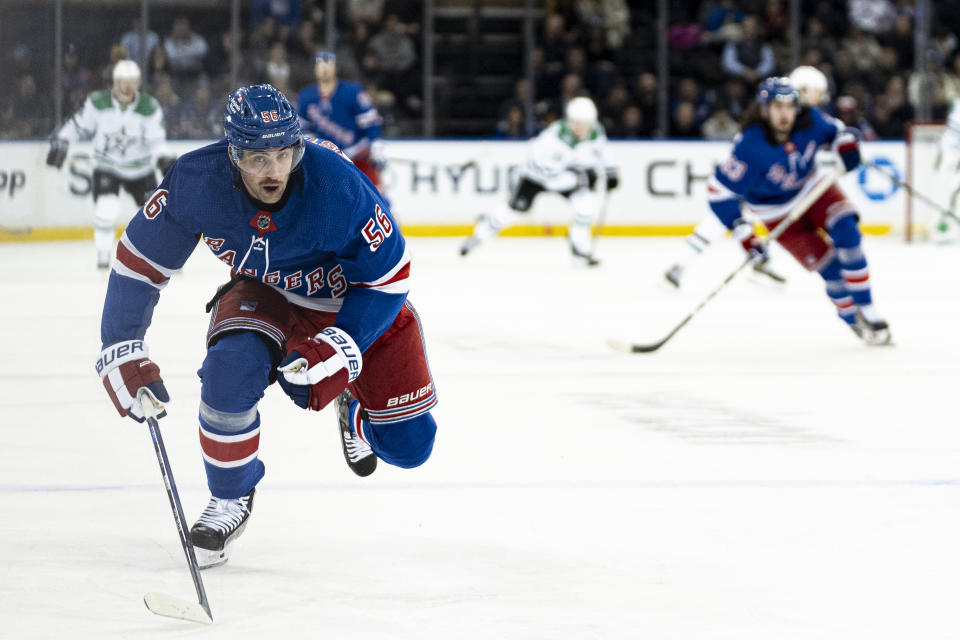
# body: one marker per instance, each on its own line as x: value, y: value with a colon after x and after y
x: 438, y: 188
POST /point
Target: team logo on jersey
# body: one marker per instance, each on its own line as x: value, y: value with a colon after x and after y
x: 263, y: 223
x: 155, y: 204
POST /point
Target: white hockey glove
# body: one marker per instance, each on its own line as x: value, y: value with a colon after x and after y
x: 125, y: 368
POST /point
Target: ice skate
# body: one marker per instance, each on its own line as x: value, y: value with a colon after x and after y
x: 674, y: 274
x: 220, y: 524
x: 103, y: 259
x: 358, y: 454
x: 874, y: 331
x: 469, y: 245
x: 763, y: 268
x: 584, y: 258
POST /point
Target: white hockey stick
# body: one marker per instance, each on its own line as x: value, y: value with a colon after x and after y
x: 161, y: 603
x: 794, y: 215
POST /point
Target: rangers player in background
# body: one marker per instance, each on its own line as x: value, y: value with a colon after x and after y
x: 811, y: 85
x: 126, y: 126
x: 567, y: 158
x: 317, y: 301
x: 772, y: 167
x: 341, y: 112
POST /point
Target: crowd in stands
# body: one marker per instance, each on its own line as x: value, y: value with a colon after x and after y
x: 606, y: 49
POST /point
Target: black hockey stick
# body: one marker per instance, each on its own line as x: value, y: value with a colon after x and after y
x: 906, y: 186
x: 798, y: 211
x: 161, y: 603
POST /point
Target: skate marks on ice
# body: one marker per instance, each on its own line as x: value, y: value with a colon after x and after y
x: 699, y: 421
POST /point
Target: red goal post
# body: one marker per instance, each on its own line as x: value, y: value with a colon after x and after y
x: 922, y: 154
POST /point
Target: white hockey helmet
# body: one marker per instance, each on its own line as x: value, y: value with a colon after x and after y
x: 806, y: 80
x: 581, y: 110
x: 126, y: 70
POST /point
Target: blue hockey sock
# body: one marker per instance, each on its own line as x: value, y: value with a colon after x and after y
x: 853, y: 263
x: 405, y: 444
x: 234, y: 375
x: 837, y: 291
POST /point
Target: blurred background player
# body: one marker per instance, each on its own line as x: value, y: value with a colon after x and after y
x: 772, y: 167
x: 948, y: 165
x: 126, y: 126
x: 567, y: 158
x: 811, y: 85
x: 341, y: 111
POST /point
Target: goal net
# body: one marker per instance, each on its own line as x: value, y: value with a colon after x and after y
x: 927, y: 179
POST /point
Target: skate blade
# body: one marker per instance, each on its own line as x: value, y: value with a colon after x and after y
x: 207, y: 558
x: 171, y: 607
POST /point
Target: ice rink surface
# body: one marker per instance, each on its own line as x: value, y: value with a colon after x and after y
x: 763, y: 476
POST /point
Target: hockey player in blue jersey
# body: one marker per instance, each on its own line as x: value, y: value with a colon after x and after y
x: 772, y: 167
x: 341, y: 112
x: 317, y: 301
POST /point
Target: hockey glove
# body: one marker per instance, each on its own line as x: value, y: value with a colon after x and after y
x: 57, y: 153
x: 164, y: 163
x: 318, y: 369
x: 849, y: 150
x: 743, y: 233
x: 125, y: 368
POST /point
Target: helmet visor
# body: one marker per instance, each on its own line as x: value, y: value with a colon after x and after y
x: 262, y: 163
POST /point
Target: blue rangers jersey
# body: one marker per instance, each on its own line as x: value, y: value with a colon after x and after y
x: 771, y: 178
x: 331, y: 245
x: 347, y: 117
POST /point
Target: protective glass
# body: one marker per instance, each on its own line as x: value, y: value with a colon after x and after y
x: 268, y: 162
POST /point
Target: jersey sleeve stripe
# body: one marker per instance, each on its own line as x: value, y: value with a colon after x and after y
x: 717, y: 191
x: 129, y: 265
x: 399, y: 283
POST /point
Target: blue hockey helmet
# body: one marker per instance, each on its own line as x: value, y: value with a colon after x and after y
x: 774, y: 88
x: 258, y: 118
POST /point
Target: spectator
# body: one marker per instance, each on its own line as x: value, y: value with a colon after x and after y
x: 750, y: 58
x: 186, y: 51
x: 646, y: 96
x: 612, y: 16
x: 131, y: 41
x: 848, y: 111
x: 164, y: 92
x: 22, y: 113
x: 391, y: 58
x: 570, y: 87
x: 689, y: 91
x: 285, y: 13
x: 775, y: 20
x: 278, y: 69
x: 75, y: 79
x: 513, y: 125
x: 720, y: 126
x: 554, y: 47
x: 157, y: 63
x: 817, y: 39
x: 367, y: 11
x: 900, y: 38
x: 350, y: 52
x: 863, y: 48
x: 197, y: 118
x: 892, y: 111
x: 873, y: 16
x: 612, y: 108
x: 631, y: 125
x: 733, y: 97
x: 722, y: 22
x: 684, y: 125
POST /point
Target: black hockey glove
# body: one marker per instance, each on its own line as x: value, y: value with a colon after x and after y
x: 164, y: 163
x: 57, y: 153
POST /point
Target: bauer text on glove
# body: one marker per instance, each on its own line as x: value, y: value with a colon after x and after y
x: 318, y: 369
x: 125, y: 368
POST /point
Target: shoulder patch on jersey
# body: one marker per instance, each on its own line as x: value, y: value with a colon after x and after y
x: 156, y: 204
x: 146, y: 105
x: 101, y: 99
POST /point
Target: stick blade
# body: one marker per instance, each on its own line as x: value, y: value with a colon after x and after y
x: 171, y: 607
x: 628, y: 347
